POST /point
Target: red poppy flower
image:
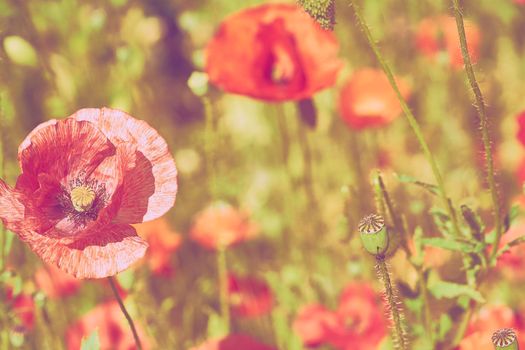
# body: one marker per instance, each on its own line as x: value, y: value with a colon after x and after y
x: 521, y: 127
x: 221, y: 225
x: 437, y: 36
x: 113, y: 331
x: 484, y: 323
x: 273, y: 52
x: 55, y: 283
x: 163, y: 242
x: 84, y: 180
x: 314, y: 323
x: 358, y: 323
x: 512, y: 262
x: 23, y: 307
x: 233, y: 342
x: 367, y: 100
x: 362, y: 323
x: 249, y: 297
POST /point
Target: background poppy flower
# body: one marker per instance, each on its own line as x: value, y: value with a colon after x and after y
x: 438, y: 35
x: 273, y: 52
x: 367, y: 100
x: 84, y: 180
x: 249, y: 297
x: 361, y: 323
x: 113, y: 331
x: 520, y: 118
x: 55, y: 283
x: 163, y: 242
x: 484, y: 323
x: 358, y: 322
x: 23, y: 307
x: 221, y: 225
x: 314, y: 323
x: 233, y: 342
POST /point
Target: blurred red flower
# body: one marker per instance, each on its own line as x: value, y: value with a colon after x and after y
x: 358, y: 322
x: 84, y: 180
x: 249, y: 297
x: 512, y: 262
x: 221, y: 225
x: 163, y: 242
x: 439, y: 35
x: 314, y: 323
x: 113, y: 331
x: 273, y: 52
x: 233, y: 342
x: 367, y: 100
x: 485, y: 323
x: 23, y: 307
x: 55, y: 283
x: 520, y: 118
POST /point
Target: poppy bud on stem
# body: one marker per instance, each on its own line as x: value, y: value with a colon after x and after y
x: 374, y: 235
x: 505, y: 339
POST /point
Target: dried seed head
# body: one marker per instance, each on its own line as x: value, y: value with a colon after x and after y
x: 505, y: 338
x: 374, y: 234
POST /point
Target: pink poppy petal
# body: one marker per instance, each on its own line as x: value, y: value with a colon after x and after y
x: 157, y: 188
x: 105, y: 252
x: 11, y: 204
x: 62, y: 149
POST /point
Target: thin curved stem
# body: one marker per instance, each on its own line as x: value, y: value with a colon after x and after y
x: 410, y: 118
x: 125, y: 312
x: 483, y: 119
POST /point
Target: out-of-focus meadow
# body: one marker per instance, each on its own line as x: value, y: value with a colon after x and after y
x: 262, y: 249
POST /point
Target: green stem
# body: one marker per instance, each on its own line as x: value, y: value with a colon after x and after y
x: 308, y: 167
x: 480, y: 107
x: 458, y: 337
x: 3, y: 233
x: 222, y: 271
x: 125, y: 312
x: 391, y: 299
x: 410, y: 118
x: 210, y: 146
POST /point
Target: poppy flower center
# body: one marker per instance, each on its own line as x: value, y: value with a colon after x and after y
x: 82, y: 198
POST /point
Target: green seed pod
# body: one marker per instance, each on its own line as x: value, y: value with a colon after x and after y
x: 374, y: 234
x: 505, y: 338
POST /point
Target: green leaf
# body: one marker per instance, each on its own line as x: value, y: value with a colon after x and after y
x: 445, y: 324
x: 449, y: 290
x: 92, y: 342
x: 450, y: 244
x: 433, y: 189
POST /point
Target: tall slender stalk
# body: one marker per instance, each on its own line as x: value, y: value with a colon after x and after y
x: 483, y: 120
x: 125, y: 312
x: 410, y: 118
x: 391, y: 299
x: 3, y: 233
x: 222, y: 270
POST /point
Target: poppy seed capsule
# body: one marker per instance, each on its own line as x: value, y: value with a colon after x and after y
x: 505, y: 338
x: 374, y: 234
